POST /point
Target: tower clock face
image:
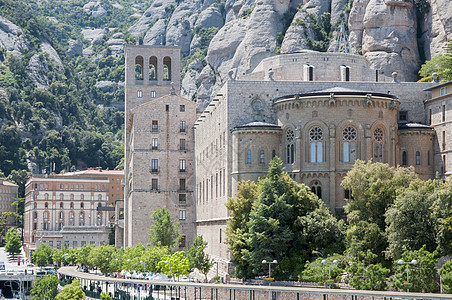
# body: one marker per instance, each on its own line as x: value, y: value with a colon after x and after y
x: 257, y: 105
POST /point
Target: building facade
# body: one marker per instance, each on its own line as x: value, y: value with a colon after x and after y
x: 8, y: 194
x: 438, y: 116
x: 71, y: 209
x: 159, y: 159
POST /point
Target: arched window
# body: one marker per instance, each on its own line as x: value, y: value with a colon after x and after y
x: 262, y: 157
x: 99, y: 204
x: 35, y: 205
x: 46, y: 215
x: 316, y: 188
x: 166, y: 68
x: 404, y: 158
x: 349, y: 144
x: 82, y: 206
x: 46, y: 196
x: 46, y: 205
x: 153, y: 68
x: 61, y: 205
x: 316, y: 146
x: 71, y: 218
x: 248, y: 157
x: 61, y: 215
x: 61, y: 196
x: 290, y: 146
x: 82, y: 197
x: 82, y: 219
x: 418, y: 158
x: 72, y: 197
x: 35, y: 215
x: 139, y: 68
x: 99, y: 197
x: 71, y: 205
x: 378, y: 145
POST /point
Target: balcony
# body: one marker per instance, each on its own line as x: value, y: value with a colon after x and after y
x: 154, y: 170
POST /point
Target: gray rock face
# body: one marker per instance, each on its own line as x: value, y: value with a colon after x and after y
x: 37, y: 70
x: 75, y: 48
x: 94, y: 35
x: 437, y: 27
x: 210, y: 17
x: 106, y: 86
x: 12, y: 39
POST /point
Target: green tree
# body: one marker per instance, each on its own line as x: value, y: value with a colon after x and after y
x: 13, y: 243
x: 440, y: 64
x: 45, y: 288
x: 442, y: 212
x: 374, y: 187
x: 237, y: 226
x: 422, y: 275
x: 19, y: 177
x: 101, y: 257
x: 105, y: 296
x: 178, y: 264
x: 317, y: 272
x: 43, y: 255
x: 83, y: 254
x: 363, y: 276
x: 197, y: 256
x: 410, y: 220
x: 164, y: 232
x: 446, y: 277
x: 71, y: 291
x: 152, y: 257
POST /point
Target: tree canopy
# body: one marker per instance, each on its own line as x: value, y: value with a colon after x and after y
x: 45, y: 288
x: 13, y: 242
x: 164, y: 231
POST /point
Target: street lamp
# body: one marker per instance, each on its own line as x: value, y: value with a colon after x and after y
x: 168, y: 262
x: 413, y: 262
x: 329, y: 281
x: 269, y: 266
x: 119, y: 263
x: 144, y: 265
x: 130, y: 265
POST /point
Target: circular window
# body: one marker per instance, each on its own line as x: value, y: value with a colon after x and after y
x: 378, y: 135
x: 315, y: 134
x: 290, y: 136
x: 349, y: 134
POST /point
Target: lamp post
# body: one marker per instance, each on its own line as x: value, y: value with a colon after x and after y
x: 119, y: 264
x: 329, y: 282
x: 407, y: 263
x: 144, y: 265
x: 169, y: 263
x: 130, y: 266
x: 269, y: 265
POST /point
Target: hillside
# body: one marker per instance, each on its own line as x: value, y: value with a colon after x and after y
x: 62, y: 64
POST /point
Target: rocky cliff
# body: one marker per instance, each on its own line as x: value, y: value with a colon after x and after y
x: 395, y: 35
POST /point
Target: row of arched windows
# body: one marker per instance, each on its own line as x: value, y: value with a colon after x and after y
x: 417, y: 158
x: 60, y: 221
x: 261, y: 156
x: 139, y: 67
x: 349, y: 145
x: 71, y: 197
x: 71, y: 205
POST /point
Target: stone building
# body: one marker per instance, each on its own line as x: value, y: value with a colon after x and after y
x: 8, y: 194
x: 319, y: 112
x: 71, y: 209
x: 159, y: 160
x: 438, y: 116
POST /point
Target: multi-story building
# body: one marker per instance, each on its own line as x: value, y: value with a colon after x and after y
x: 71, y: 209
x: 159, y: 160
x: 8, y: 194
x: 438, y: 116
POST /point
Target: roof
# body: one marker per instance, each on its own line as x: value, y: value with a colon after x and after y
x: 258, y: 125
x: 94, y: 172
x: 154, y: 101
x: 438, y: 85
x: 414, y: 126
x: 339, y: 91
x: 7, y: 183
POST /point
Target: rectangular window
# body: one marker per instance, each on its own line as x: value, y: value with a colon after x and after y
x: 182, y: 126
x: 347, y: 194
x: 155, y: 125
x: 139, y: 94
x: 248, y: 157
x: 444, y: 140
x: 444, y: 164
x: 82, y: 187
x: 430, y: 116
x: 182, y: 198
x: 167, y: 107
x: 153, y: 94
x: 155, y: 165
x: 182, y: 144
x: 443, y: 91
x: 47, y: 186
x: 155, y: 143
x: 347, y: 73
x: 443, y: 116
x: 182, y: 165
x: 155, y: 184
x: 51, y: 243
x: 262, y: 157
x: 182, y: 184
x: 428, y: 158
x: 74, y: 244
x: 66, y: 244
x: 35, y: 226
x: 418, y: 158
x: 403, y: 116
x: 182, y: 214
x: 58, y: 244
x: 41, y: 186
x: 182, y: 241
x: 182, y: 108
